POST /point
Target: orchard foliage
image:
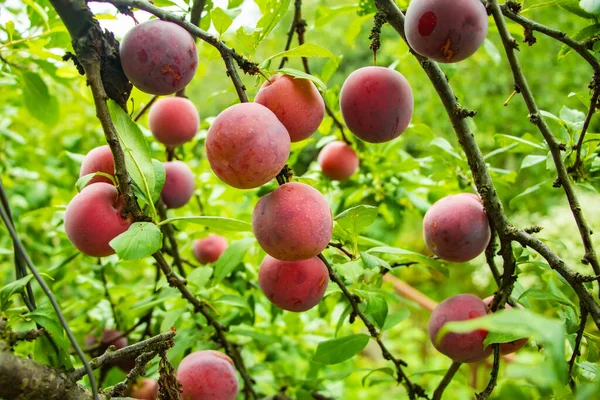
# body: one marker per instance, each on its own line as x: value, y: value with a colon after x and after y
x: 267, y: 199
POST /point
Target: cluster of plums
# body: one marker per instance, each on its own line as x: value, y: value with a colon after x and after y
x: 248, y: 145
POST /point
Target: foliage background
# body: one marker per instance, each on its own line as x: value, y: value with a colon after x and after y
x: 48, y: 123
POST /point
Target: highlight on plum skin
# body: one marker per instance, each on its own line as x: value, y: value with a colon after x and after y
x: 293, y: 286
x: 247, y: 145
x: 460, y: 347
x: 446, y: 31
x: 179, y: 184
x: 209, y: 249
x: 296, y: 102
x: 376, y: 103
x: 159, y: 57
x: 99, y: 159
x: 93, y: 218
x: 338, y: 161
x: 173, y: 120
x: 207, y: 374
x: 456, y: 228
x: 293, y: 223
x: 510, y: 347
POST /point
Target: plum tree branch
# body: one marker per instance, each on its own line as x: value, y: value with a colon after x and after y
x: 169, y: 233
x: 154, y: 344
x: 413, y: 389
x: 481, y: 176
x: 204, y: 309
x: 576, y: 348
x: 138, y: 370
x: 229, y: 55
x: 555, y: 147
x: 439, y: 390
x: 493, y: 376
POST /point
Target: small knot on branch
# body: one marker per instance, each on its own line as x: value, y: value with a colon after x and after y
x: 533, y: 229
x: 534, y: 118
x: 528, y: 37
x: 513, y: 6
x: 72, y: 57
x: 128, y: 11
x: 557, y: 183
x: 463, y: 113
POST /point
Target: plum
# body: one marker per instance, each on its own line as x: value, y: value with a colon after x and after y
x: 173, y: 121
x: 296, y: 102
x: 338, y: 161
x: 111, y: 337
x: 247, y: 146
x: 456, y: 228
x: 294, y: 286
x: 460, y: 347
x: 208, y: 250
x: 93, y: 218
x: 376, y: 103
x: 159, y: 57
x: 144, y: 389
x: 446, y: 31
x: 99, y: 159
x: 293, y: 222
x: 207, y: 375
x: 179, y: 184
x: 510, y: 347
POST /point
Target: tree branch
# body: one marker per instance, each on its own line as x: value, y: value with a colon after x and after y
x: 493, y: 376
x: 230, y: 57
x: 413, y: 389
x: 554, y: 145
x: 576, y: 348
x: 439, y: 391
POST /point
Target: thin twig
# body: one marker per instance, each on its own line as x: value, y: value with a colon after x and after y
x: 138, y: 370
x: 341, y: 248
x: 595, y: 85
x: 169, y: 233
x: 493, y: 376
x: 413, y: 389
x: 162, y: 341
x: 290, y: 35
x: 145, y: 108
x: 439, y: 390
x: 577, y: 347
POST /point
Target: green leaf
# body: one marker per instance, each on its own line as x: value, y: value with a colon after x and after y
x: 38, y: 100
x: 222, y: 223
x: 199, y: 277
x: 303, y: 75
x: 306, y: 50
x: 527, y: 191
x: 222, y: 19
x: 231, y: 257
x: 549, y: 332
x: 372, y: 262
x: 585, y: 33
x: 137, y: 153
x: 395, y: 318
x: 45, y: 316
x: 375, y: 306
x: 356, y: 219
x: 84, y: 180
x: 273, y: 11
x: 342, y: 319
x: 531, y: 160
x: 591, y: 6
x: 540, y: 295
x: 385, y: 370
x: 335, y: 351
x: 235, y: 301
x: 170, y: 319
x: 445, y: 146
x: 140, y: 240
x: 160, y: 175
x: 412, y: 256
x: 14, y: 287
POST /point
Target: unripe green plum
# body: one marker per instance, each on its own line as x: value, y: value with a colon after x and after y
x: 247, y: 146
x: 294, y: 286
x: 99, y: 159
x: 446, y: 31
x: 93, y: 218
x: 376, y: 103
x: 144, y: 389
x: 456, y: 228
x: 338, y: 161
x: 173, y: 120
x: 460, y: 347
x: 293, y: 222
x: 510, y: 347
x: 208, y: 250
x: 179, y: 184
x: 207, y: 375
x: 159, y: 57
x: 296, y: 102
